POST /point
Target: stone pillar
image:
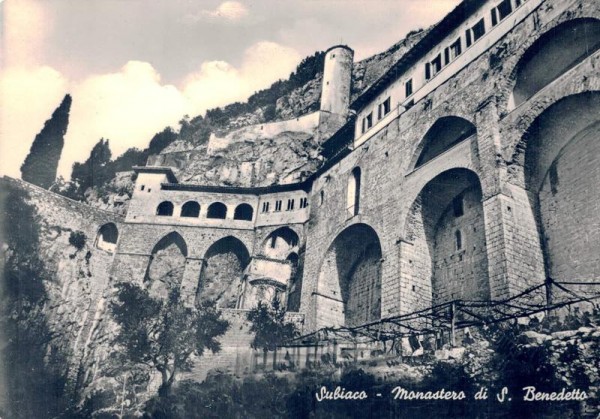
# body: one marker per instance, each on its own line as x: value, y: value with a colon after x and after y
x: 191, y: 279
x: 515, y: 259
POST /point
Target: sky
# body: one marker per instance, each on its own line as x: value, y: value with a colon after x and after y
x: 134, y: 67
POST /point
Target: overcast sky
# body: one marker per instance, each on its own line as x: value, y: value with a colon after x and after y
x: 134, y: 67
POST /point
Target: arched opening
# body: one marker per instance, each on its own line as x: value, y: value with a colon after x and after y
x: 107, y: 237
x: 553, y: 54
x: 190, y: 209
x: 217, y: 210
x: 167, y: 263
x: 349, y: 284
x: 448, y: 258
x: 280, y: 243
x: 223, y: 272
x: 353, y: 192
x: 165, y: 209
x: 443, y: 134
x: 295, y: 286
x: 562, y: 174
x: 243, y: 212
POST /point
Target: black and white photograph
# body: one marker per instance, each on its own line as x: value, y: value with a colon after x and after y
x: 299, y: 209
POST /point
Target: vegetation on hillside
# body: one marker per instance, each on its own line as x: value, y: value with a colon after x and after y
x: 164, y: 334
x: 41, y: 163
x: 33, y: 370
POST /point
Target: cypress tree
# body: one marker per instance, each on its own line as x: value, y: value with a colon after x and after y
x: 41, y: 163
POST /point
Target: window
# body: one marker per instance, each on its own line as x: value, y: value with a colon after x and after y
x: 458, y: 238
x: 321, y: 198
x: 243, y: 212
x: 475, y: 32
x: 367, y: 122
x: 457, y: 205
x: 353, y: 192
x: 217, y: 210
x: 427, y: 71
x: 303, y: 202
x: 436, y: 65
x: 142, y: 187
x: 290, y: 205
x: 455, y: 49
x: 265, y: 207
x: 501, y: 11
x: 190, y: 209
x: 278, y: 205
x: 165, y: 209
x: 408, y: 88
x: 384, y: 108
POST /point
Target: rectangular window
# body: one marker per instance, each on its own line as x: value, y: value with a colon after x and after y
x: 468, y: 37
x: 446, y: 55
x: 457, y: 204
x: 408, y: 88
x: 504, y: 9
x: 278, y: 205
x: 427, y: 71
x: 494, y: 16
x: 478, y: 30
x: 303, y: 202
x: 436, y: 64
x: 367, y: 122
x: 455, y: 49
x: 142, y: 187
x: 265, y: 207
x: 384, y: 108
x: 290, y: 205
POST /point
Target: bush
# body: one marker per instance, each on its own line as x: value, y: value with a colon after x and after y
x: 77, y: 239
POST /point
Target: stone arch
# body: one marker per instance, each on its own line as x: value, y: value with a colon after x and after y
x: 559, y: 155
x: 561, y: 47
x: 443, y: 134
x: 165, y: 209
x: 107, y: 237
x: 280, y: 243
x: 167, y: 263
x: 349, y: 282
x: 448, y: 210
x: 190, y: 209
x: 217, y: 210
x: 243, y: 212
x: 223, y: 272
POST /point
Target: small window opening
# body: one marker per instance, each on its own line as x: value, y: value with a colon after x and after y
x: 265, y: 207
x: 142, y: 187
x: 436, y: 64
x: 278, y: 205
x: 457, y: 204
x: 458, y: 238
x: 290, y: 204
x: 408, y: 88
x: 322, y: 198
x: 165, y: 209
x: 190, y: 209
x: 217, y: 210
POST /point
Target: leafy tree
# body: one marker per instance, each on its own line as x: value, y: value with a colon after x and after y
x: 270, y: 328
x: 163, y: 334
x: 95, y: 170
x: 41, y: 163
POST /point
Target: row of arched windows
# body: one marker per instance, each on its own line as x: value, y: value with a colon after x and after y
x: 216, y: 210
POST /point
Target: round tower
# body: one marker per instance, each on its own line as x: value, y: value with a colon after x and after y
x: 337, y: 80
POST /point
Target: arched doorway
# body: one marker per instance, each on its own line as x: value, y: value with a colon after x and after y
x: 223, y: 272
x: 562, y: 174
x: 167, y: 263
x: 447, y: 230
x: 107, y: 237
x: 349, y: 287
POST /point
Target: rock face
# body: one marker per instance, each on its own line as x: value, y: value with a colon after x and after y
x: 265, y: 160
x: 284, y: 158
